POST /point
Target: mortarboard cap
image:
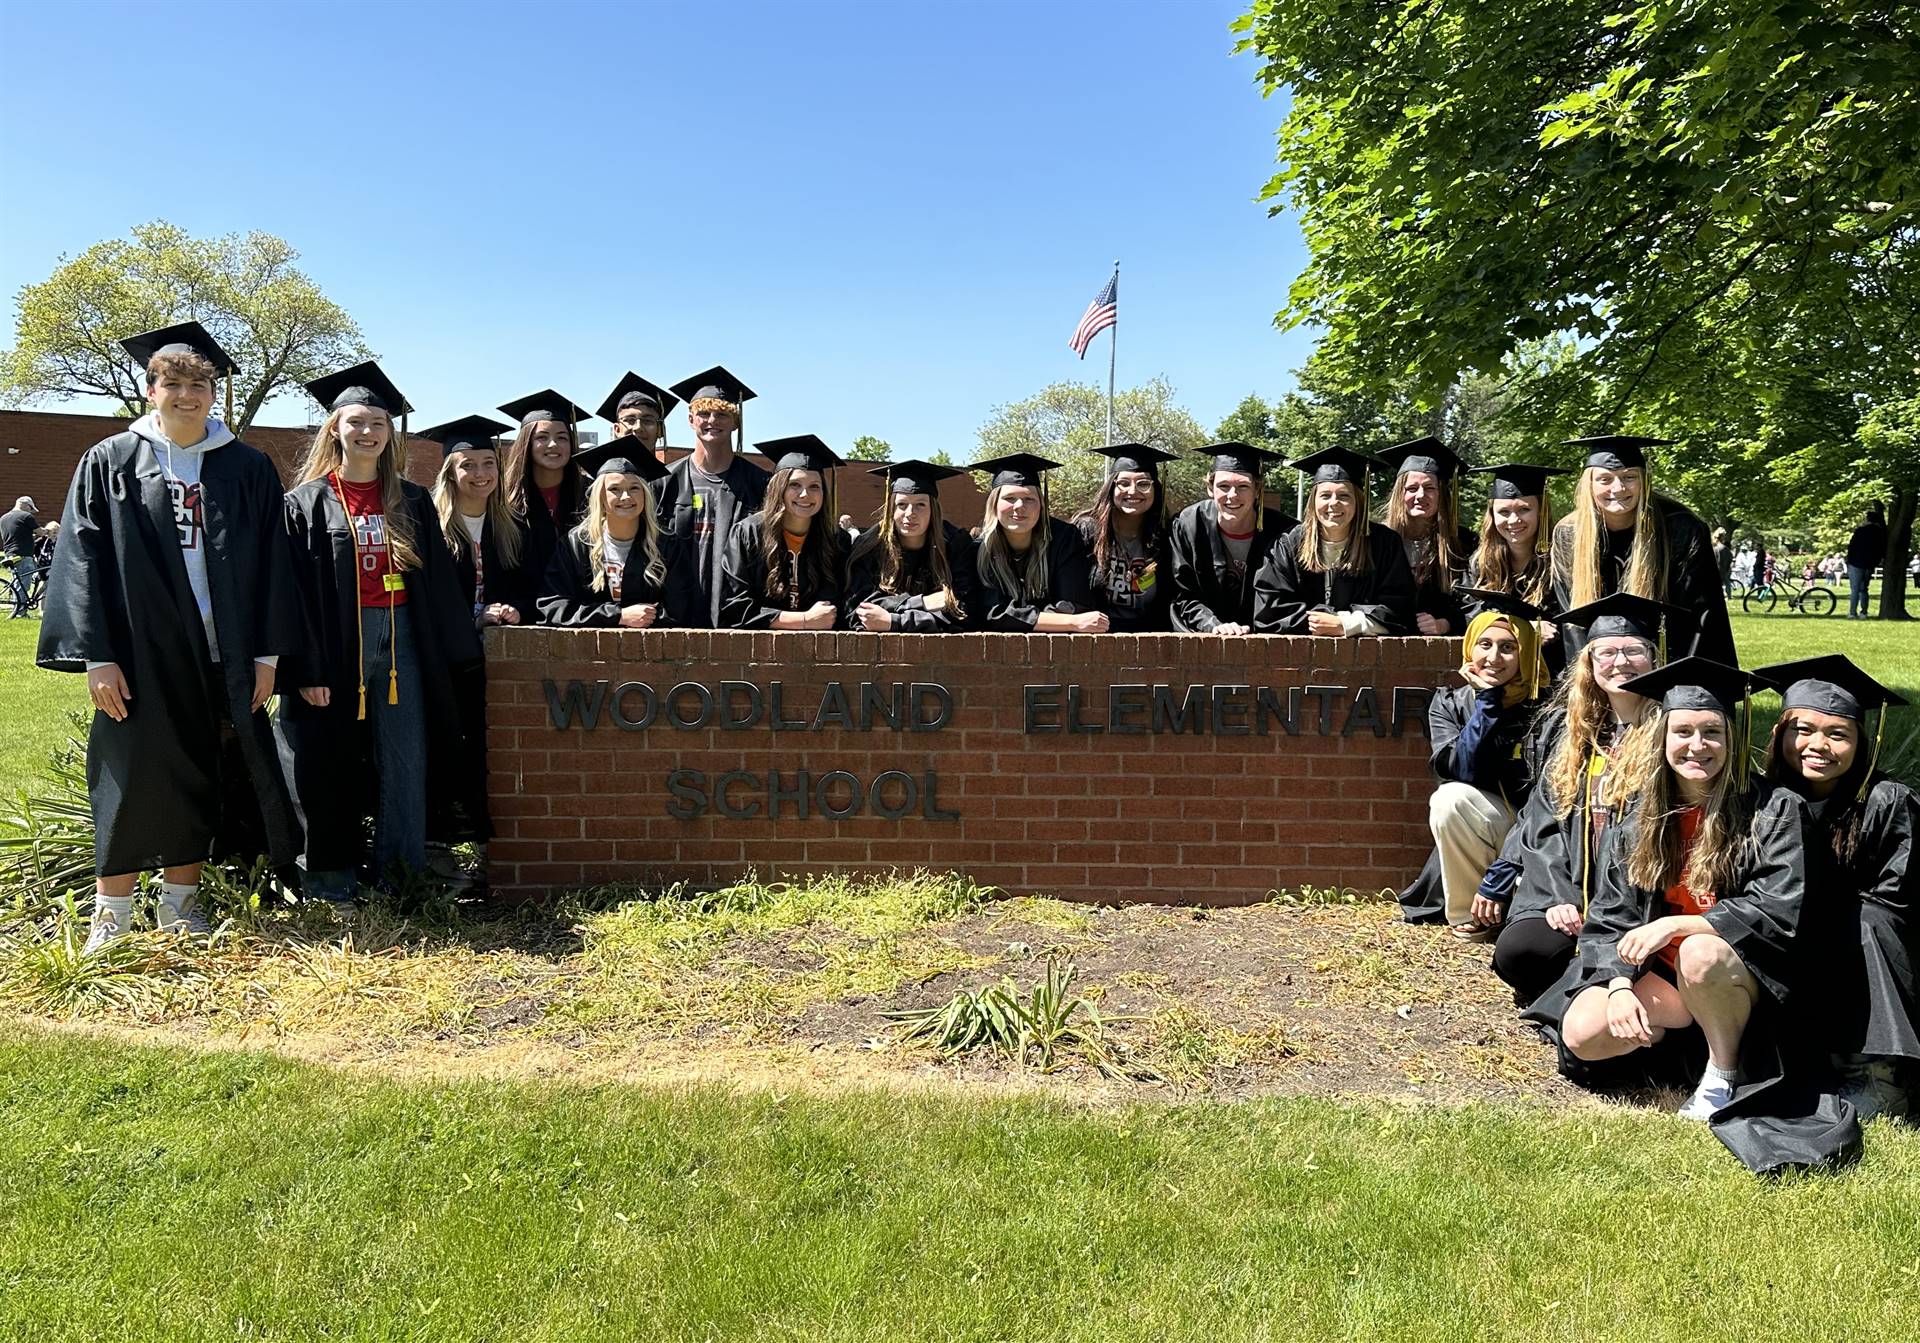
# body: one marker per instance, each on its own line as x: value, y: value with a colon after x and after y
x: 802, y: 452
x: 1136, y: 457
x: 617, y: 455
x: 913, y: 476
x: 544, y: 405
x: 1427, y: 454
x: 1507, y: 603
x: 1828, y: 684
x: 362, y: 385
x: 466, y: 434
x: 1616, y: 452
x: 1334, y: 464
x: 181, y: 338
x: 1517, y: 480
x: 1015, y: 468
x: 1622, y: 615
x: 715, y: 382
x: 1693, y: 683
x: 1240, y: 458
x: 633, y: 390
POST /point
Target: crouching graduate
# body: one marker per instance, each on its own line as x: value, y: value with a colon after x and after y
x: 1698, y: 895
x: 1862, y: 1005
x: 616, y: 569
x: 391, y: 636
x: 1125, y: 534
x: 171, y: 590
x: 785, y: 565
x: 1219, y: 544
x: 912, y: 571
x: 1334, y: 574
x: 1033, y: 568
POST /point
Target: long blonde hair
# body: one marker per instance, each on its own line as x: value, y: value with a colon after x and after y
x: 1588, y: 711
x: 326, y: 455
x: 593, y: 531
x: 1493, y: 561
x: 1438, y: 562
x: 499, y: 514
x: 1658, y: 860
x: 1357, y: 558
x: 1584, y: 532
x: 893, y: 559
x: 993, y: 559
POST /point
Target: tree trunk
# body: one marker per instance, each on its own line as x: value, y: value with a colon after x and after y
x: 1893, y: 585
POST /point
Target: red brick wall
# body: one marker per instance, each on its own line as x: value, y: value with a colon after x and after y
x: 1206, y: 817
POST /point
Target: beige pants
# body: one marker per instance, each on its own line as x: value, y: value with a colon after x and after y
x: 1468, y: 827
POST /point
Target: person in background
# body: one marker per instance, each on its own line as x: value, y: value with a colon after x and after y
x: 170, y: 590
x: 785, y: 565
x: 912, y: 571
x: 637, y: 410
x: 1723, y: 558
x: 1335, y: 575
x: 617, y: 569
x: 18, y: 548
x: 1423, y: 509
x: 1033, y: 569
x: 1866, y: 551
x: 706, y: 492
x: 1218, y: 545
x: 1125, y: 533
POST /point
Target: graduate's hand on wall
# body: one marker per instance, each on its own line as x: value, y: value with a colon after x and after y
x: 107, y: 688
x: 1564, y: 919
x: 1229, y: 629
x: 821, y: 615
x: 318, y: 696
x: 935, y: 602
x: 1644, y: 941
x: 1432, y: 624
x: 877, y: 618
x: 638, y: 617
x: 262, y: 685
x: 1627, y: 1017
x: 1325, y: 624
x: 1092, y: 622
x: 499, y: 613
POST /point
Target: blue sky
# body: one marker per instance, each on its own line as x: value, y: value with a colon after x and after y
x: 886, y: 218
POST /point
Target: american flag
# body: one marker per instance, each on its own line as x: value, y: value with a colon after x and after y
x: 1102, y: 313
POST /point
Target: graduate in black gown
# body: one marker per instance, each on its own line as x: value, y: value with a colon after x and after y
x: 637, y: 410
x: 1217, y: 545
x: 912, y: 571
x: 619, y: 569
x: 1125, y: 533
x: 1335, y: 574
x: 1620, y: 536
x: 543, y: 486
x: 706, y: 493
x: 785, y: 565
x: 1862, y: 1007
x: 376, y: 726
x: 1423, y: 509
x: 1033, y: 569
x: 170, y: 589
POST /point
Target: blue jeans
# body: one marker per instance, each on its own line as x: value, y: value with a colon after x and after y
x: 1858, y: 580
x: 24, y: 568
x: 399, y: 754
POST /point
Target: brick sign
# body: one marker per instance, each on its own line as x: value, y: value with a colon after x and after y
x: 1092, y: 767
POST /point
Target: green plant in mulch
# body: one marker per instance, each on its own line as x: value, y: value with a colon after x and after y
x: 45, y: 968
x: 1046, y: 1029
x: 1328, y: 895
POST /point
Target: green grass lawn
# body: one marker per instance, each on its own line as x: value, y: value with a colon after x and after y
x: 33, y: 704
x: 150, y: 1193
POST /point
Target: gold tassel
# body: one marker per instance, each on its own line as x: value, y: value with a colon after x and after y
x: 1873, y: 761
x: 393, y: 654
x: 363, y: 701
x: 229, y: 402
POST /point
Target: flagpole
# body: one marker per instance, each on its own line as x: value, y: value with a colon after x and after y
x: 1113, y: 345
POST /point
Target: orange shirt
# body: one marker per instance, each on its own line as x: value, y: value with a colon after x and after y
x: 1681, y: 898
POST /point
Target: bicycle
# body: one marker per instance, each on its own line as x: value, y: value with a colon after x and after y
x: 1810, y: 599
x: 36, y: 594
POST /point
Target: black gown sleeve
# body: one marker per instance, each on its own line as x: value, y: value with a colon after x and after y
x: 1283, y: 591
x: 1761, y: 919
x: 567, y: 597
x: 1069, y: 567
x: 1390, y: 602
x: 743, y: 580
x: 1617, y: 908
x: 1190, y: 611
x: 450, y: 612
x: 1693, y: 584
x: 1887, y: 875
x: 309, y: 555
x: 83, y: 619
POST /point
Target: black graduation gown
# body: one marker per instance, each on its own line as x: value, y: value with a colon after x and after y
x: 743, y: 578
x: 1205, y: 592
x: 1133, y: 604
x: 1506, y: 761
x: 163, y: 790
x: 1285, y: 590
x: 515, y: 585
x: 1068, y: 565
x: 1693, y: 583
x: 321, y: 748
x: 567, y: 597
x: 908, y: 606
x: 675, y: 502
x: 1434, y: 599
x: 544, y: 530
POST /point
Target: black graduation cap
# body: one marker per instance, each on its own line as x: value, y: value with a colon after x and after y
x: 1616, y: 452
x: 466, y: 434
x: 1506, y: 602
x: 634, y: 390
x: 1241, y: 458
x: 1694, y: 683
x: 802, y: 452
x: 1136, y: 457
x: 362, y: 385
x: 1517, y: 480
x: 715, y: 382
x: 181, y: 338
x: 1015, y: 468
x: 1622, y: 615
x: 544, y: 405
x: 913, y: 476
x: 617, y: 455
x: 1426, y: 454
x: 1335, y: 464
x: 1828, y: 684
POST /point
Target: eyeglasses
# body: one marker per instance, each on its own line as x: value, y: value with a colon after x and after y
x: 1620, y: 655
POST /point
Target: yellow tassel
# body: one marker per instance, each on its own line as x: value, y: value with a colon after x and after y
x: 393, y: 654
x: 229, y: 402
x: 393, y: 686
x: 363, y: 700
x: 1873, y: 761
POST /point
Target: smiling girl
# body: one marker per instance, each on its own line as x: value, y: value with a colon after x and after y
x: 1033, y: 568
x: 617, y: 569
x: 1335, y: 575
x: 784, y: 565
x: 911, y: 572
x: 1126, y: 534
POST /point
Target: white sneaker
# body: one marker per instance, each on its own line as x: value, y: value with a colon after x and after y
x: 1708, y: 1099
x: 106, y: 928
x: 1874, y: 1090
x: 184, y: 917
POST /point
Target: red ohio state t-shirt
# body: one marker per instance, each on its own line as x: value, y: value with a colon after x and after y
x: 366, y: 514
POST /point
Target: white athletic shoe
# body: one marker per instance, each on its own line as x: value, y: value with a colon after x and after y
x: 184, y: 917
x: 1713, y: 1095
x: 1874, y: 1089
x: 106, y: 928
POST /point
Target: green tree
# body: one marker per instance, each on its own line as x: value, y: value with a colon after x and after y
x: 244, y: 288
x: 1067, y: 420
x: 867, y: 448
x: 941, y: 458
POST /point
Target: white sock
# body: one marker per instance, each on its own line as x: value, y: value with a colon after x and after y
x: 178, y: 894
x: 1715, y: 1073
x: 120, y: 906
